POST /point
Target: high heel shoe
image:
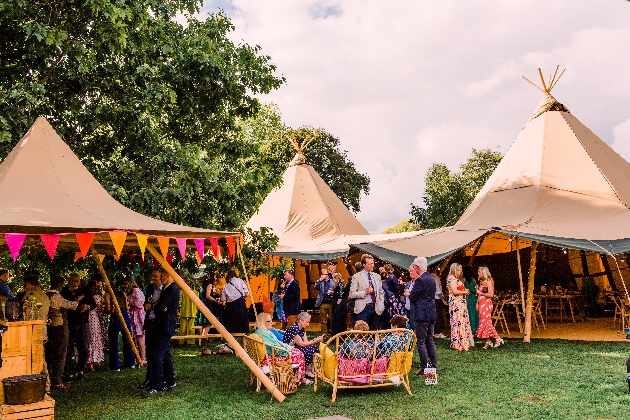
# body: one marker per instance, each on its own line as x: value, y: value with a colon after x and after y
x: 499, y: 342
x: 488, y: 346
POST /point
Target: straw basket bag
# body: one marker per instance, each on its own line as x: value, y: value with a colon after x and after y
x: 283, y: 377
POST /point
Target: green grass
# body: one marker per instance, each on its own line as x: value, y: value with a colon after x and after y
x: 547, y: 379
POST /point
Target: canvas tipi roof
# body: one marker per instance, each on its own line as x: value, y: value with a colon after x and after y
x: 45, y: 189
x: 558, y: 184
x: 306, y: 215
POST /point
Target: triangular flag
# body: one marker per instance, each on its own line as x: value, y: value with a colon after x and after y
x: 214, y: 242
x: 14, y: 242
x: 77, y: 256
x: 142, y: 242
x: 181, y: 244
x: 101, y: 257
x: 118, y: 239
x: 116, y: 257
x: 198, y: 258
x: 50, y: 243
x: 199, y: 243
x: 163, y: 243
x: 230, y: 246
x: 84, y: 240
x: 169, y: 259
x: 239, y: 244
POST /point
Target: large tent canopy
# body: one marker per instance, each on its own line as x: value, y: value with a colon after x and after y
x: 558, y: 184
x: 309, y: 219
x: 45, y: 189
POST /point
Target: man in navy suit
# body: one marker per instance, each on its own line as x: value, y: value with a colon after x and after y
x: 291, y: 298
x: 422, y: 297
x: 162, y: 375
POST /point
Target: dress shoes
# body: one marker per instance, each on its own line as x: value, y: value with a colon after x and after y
x: 170, y: 387
x: 150, y: 392
x: 419, y: 372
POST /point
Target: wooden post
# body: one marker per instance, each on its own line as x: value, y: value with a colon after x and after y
x: 123, y: 324
x: 520, y: 274
x: 530, y: 295
x: 249, y: 286
x: 444, y: 264
x: 475, y: 251
x: 219, y: 327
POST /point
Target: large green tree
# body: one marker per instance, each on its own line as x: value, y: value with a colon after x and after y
x: 448, y: 193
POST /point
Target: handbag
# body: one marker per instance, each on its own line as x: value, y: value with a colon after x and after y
x: 430, y: 375
x: 283, y: 377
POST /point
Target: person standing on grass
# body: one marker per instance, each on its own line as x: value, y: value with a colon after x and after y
x: 115, y: 328
x: 439, y: 306
x: 162, y: 371
x: 78, y: 328
x: 291, y: 297
x: 208, y: 298
x: 422, y: 299
x: 471, y: 299
x: 367, y: 291
x: 485, y: 291
x: 151, y: 297
x: 234, y: 294
x: 187, y: 313
x: 461, y: 337
x: 135, y: 299
x: 325, y: 286
x: 95, y: 353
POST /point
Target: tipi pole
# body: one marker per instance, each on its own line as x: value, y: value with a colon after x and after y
x: 219, y: 327
x: 475, y: 251
x: 249, y: 286
x: 530, y: 295
x: 520, y: 274
x: 121, y: 318
x: 444, y: 264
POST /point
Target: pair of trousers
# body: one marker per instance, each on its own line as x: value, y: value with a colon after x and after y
x: 370, y: 316
x: 79, y: 337
x: 409, y: 315
x: 186, y: 327
x: 439, y: 308
x: 114, y: 330
x: 55, y: 352
x: 161, y: 361
x: 325, y: 316
x: 426, y: 347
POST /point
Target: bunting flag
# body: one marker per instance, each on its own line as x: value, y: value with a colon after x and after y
x: 230, y: 247
x: 169, y: 259
x: 214, y: 242
x: 116, y: 257
x: 198, y: 258
x: 50, y: 243
x: 118, y: 239
x: 14, y: 242
x: 101, y: 257
x: 163, y: 243
x: 239, y: 244
x: 85, y: 241
x: 199, y: 243
x: 142, y: 242
x: 77, y: 256
x: 181, y: 245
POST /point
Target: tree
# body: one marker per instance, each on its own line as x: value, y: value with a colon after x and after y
x: 404, y: 225
x: 447, y: 194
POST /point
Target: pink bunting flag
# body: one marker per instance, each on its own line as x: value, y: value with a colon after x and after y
x: 199, y: 243
x: 181, y: 245
x: 214, y: 242
x: 50, y: 243
x: 14, y: 242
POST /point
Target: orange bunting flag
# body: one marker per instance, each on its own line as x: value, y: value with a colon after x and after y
x: 85, y: 241
x: 214, y: 242
x: 116, y: 257
x: 198, y: 258
x: 142, y: 242
x: 118, y: 239
x: 77, y: 256
x: 50, y: 243
x: 163, y: 243
x: 230, y: 247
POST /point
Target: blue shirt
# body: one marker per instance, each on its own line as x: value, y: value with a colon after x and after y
x: 5, y: 290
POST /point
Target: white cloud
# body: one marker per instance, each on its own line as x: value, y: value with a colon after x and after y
x: 407, y: 83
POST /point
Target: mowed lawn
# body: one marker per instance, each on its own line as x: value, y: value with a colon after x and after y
x: 547, y: 379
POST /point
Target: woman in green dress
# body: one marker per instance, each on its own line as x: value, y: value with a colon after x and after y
x: 471, y: 299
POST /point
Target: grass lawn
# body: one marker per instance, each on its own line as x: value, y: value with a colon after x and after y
x: 547, y: 379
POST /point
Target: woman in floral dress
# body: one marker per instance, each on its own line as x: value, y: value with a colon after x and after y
x: 95, y: 348
x: 461, y: 336
x: 135, y: 300
x: 485, y: 292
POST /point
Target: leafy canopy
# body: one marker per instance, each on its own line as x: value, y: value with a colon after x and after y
x: 447, y: 193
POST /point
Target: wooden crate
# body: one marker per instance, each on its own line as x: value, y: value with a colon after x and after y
x: 43, y: 410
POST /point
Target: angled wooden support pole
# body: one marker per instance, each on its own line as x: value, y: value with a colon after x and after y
x: 121, y: 318
x: 530, y: 295
x: 520, y: 274
x: 219, y: 327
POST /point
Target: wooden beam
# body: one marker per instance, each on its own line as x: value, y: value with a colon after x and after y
x: 520, y: 274
x: 123, y: 324
x: 218, y: 326
x: 475, y: 251
x: 249, y: 286
x: 444, y: 265
x: 608, y: 271
x: 527, y: 332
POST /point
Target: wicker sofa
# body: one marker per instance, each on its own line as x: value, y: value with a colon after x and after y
x: 365, y: 359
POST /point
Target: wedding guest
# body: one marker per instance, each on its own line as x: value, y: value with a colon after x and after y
x: 367, y: 291
x: 115, y: 328
x: 291, y: 297
x: 208, y: 297
x: 234, y: 293
x: 324, y: 285
x: 187, y: 313
x: 78, y: 328
x: 485, y: 291
x: 152, y: 295
x: 440, y: 301
x: 296, y: 335
x: 408, y: 306
x: 340, y: 305
x: 5, y: 290
x: 135, y: 301
x: 279, y: 303
x: 95, y: 349
x: 461, y: 337
x: 392, y: 289
x: 422, y: 299
x: 103, y: 316
x: 471, y: 299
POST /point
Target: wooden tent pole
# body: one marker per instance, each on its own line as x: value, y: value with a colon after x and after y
x: 121, y: 318
x: 530, y: 295
x: 520, y: 274
x: 219, y: 327
x: 475, y: 251
x: 249, y: 286
x: 444, y: 264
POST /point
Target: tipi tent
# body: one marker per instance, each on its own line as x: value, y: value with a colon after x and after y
x: 306, y: 215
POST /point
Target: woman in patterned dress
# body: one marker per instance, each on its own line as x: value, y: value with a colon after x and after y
x: 485, y: 292
x: 135, y: 300
x: 296, y: 335
x: 95, y: 348
x: 461, y: 336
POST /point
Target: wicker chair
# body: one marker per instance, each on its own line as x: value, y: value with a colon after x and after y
x: 365, y: 359
x: 255, y: 349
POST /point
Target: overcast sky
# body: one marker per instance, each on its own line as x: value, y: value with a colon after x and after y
x: 404, y: 84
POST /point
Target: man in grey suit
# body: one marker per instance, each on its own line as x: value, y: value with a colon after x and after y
x: 366, y: 289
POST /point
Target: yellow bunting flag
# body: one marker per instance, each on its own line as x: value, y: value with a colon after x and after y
x: 118, y: 239
x: 163, y: 243
x: 142, y: 242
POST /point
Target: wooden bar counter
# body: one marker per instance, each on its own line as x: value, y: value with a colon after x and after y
x: 22, y: 350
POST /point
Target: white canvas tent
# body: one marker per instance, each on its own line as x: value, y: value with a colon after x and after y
x: 307, y: 216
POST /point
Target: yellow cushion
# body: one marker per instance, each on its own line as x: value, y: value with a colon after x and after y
x: 260, y: 346
x: 330, y: 361
x: 400, y: 362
